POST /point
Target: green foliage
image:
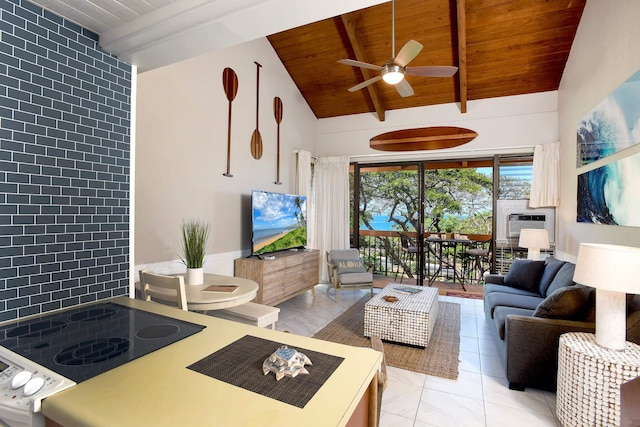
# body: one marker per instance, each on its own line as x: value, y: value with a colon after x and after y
x: 294, y: 238
x: 194, y: 242
x: 455, y: 199
x: 300, y: 218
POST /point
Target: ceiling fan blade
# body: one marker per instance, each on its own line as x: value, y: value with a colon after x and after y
x: 359, y: 64
x: 365, y: 83
x: 432, y: 71
x: 404, y: 88
x: 409, y: 51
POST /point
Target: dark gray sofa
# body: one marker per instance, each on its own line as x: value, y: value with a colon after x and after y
x: 530, y: 307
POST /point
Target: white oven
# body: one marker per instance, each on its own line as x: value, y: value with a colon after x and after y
x: 45, y: 354
x: 23, y: 385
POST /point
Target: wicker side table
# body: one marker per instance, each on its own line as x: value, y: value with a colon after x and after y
x: 589, y: 380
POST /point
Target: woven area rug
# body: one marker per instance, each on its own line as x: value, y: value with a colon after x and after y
x: 439, y: 359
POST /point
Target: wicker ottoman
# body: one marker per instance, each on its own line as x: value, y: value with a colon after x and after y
x: 409, y: 320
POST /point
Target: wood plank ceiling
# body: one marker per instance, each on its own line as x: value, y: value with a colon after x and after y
x: 512, y: 47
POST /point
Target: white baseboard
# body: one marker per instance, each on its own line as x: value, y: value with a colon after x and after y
x: 222, y: 264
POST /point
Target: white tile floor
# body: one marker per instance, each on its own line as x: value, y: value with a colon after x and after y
x: 479, y: 397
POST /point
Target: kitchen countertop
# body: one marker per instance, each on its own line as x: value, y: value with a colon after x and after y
x: 159, y: 390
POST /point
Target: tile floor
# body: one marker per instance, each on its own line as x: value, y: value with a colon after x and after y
x: 479, y: 397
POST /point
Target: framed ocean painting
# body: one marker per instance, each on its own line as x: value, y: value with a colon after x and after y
x: 608, y: 192
x: 610, y: 195
x: 612, y: 125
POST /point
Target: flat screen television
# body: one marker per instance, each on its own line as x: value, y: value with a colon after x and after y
x: 278, y: 222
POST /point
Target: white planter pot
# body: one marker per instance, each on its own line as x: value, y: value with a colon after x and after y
x: 195, y: 276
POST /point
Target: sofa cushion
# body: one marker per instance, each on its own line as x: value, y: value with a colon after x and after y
x: 493, y: 287
x: 355, y: 278
x: 551, y: 268
x: 494, y: 278
x: 496, y: 299
x: 564, y: 277
x: 563, y: 303
x: 525, y: 274
x: 500, y: 317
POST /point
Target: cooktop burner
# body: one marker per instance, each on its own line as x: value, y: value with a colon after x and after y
x: 85, y: 342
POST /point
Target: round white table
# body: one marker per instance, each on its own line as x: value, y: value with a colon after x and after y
x: 200, y: 300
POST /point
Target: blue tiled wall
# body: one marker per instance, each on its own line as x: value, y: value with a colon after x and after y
x: 64, y: 164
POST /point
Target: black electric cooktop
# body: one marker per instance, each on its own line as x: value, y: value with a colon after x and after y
x: 87, y: 341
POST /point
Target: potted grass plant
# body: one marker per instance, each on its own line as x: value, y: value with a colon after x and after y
x: 194, y: 244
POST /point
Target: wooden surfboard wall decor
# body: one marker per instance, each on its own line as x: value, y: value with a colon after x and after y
x: 429, y: 138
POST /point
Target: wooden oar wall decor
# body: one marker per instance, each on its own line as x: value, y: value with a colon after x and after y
x: 230, y: 84
x: 256, y: 138
x: 277, y: 112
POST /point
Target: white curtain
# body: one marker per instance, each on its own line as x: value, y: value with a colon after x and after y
x: 546, y: 176
x: 331, y: 191
x: 303, y: 188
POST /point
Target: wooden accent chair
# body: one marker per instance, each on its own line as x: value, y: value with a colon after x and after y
x: 347, y: 270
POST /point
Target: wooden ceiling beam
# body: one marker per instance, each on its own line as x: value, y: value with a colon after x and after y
x: 349, y: 25
x: 462, y: 54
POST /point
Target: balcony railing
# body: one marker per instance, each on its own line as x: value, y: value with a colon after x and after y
x: 442, y: 262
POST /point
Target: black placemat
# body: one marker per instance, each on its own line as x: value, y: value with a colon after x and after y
x: 240, y: 364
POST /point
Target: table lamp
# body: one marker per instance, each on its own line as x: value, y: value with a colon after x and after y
x: 534, y: 239
x: 614, y: 271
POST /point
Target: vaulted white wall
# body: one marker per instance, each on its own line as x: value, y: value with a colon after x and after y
x: 504, y: 125
x: 181, y: 150
x: 182, y: 125
x: 604, y: 54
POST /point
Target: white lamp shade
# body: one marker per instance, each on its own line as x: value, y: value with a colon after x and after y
x: 534, y: 238
x: 610, y: 267
x: 614, y: 271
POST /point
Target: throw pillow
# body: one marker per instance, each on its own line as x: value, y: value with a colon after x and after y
x: 563, y: 303
x: 564, y: 277
x: 350, y: 265
x: 551, y: 268
x: 525, y: 274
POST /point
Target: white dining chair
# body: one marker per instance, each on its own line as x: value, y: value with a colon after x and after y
x: 168, y: 287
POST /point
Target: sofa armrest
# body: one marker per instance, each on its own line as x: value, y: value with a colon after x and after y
x: 498, y: 279
x: 531, y: 349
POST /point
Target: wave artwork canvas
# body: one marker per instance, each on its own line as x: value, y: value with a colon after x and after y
x: 609, y: 194
x: 612, y: 125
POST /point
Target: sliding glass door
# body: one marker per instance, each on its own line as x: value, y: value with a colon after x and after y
x: 397, y: 206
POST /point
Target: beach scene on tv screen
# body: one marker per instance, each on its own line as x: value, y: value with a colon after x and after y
x: 279, y: 222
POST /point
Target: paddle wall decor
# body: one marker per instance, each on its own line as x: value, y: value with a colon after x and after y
x: 256, y: 138
x: 429, y: 138
x: 607, y: 191
x: 277, y: 112
x: 230, y: 85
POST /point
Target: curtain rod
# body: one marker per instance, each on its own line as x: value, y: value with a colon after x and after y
x: 314, y: 158
x: 443, y: 155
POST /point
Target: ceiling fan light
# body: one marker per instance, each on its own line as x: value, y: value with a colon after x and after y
x: 392, y: 74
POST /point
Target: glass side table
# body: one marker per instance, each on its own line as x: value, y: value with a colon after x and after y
x: 589, y: 380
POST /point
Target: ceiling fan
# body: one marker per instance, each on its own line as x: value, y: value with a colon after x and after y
x: 393, y: 72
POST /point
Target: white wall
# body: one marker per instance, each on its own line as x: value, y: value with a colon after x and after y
x: 182, y: 109
x: 181, y: 151
x: 504, y: 125
x: 604, y: 55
